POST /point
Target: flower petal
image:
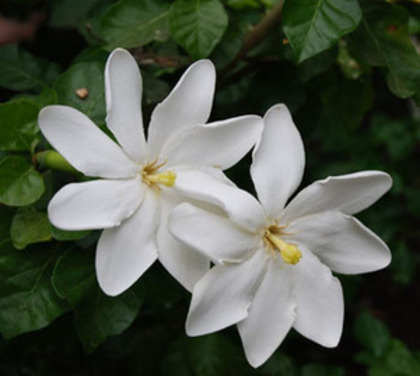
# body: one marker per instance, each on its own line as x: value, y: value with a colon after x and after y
x: 95, y: 204
x: 341, y: 242
x: 349, y: 194
x: 271, y: 315
x: 185, y: 264
x: 279, y: 160
x: 223, y: 296
x: 83, y: 144
x: 123, y: 90
x: 319, y: 302
x: 213, y: 235
x: 204, y: 185
x: 221, y: 144
x: 188, y: 104
x: 124, y: 253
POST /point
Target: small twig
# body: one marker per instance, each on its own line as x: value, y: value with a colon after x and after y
x: 257, y: 34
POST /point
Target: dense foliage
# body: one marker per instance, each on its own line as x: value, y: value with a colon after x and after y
x: 349, y: 70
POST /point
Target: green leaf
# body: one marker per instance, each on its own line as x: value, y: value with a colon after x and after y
x: 27, y: 300
x: 88, y: 76
x: 198, y: 25
x: 20, y: 184
x: 134, y: 23
x: 313, y: 26
x: 372, y: 334
x: 18, y: 125
x: 29, y: 227
x: 96, y: 316
x: 20, y: 70
x: 383, y: 39
x: 70, y: 13
x: 63, y: 235
x: 6, y: 215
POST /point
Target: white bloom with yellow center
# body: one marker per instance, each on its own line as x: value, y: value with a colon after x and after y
x: 140, y: 182
x: 273, y: 262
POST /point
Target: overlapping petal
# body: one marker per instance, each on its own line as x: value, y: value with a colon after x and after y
x: 203, y: 185
x: 319, y: 301
x: 185, y: 264
x: 341, y: 242
x: 95, y: 204
x: 124, y: 253
x: 349, y: 194
x: 188, y: 104
x: 220, y: 144
x: 83, y: 144
x: 271, y: 315
x: 213, y: 235
x: 278, y: 160
x: 123, y: 90
x: 223, y: 296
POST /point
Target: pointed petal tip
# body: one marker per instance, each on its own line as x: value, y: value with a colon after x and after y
x: 277, y: 108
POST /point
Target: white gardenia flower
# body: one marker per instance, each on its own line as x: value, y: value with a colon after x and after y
x: 140, y: 182
x: 274, y: 262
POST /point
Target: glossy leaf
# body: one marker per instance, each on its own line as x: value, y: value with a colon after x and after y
x: 134, y: 23
x: 198, y: 25
x: 383, y: 40
x: 96, y: 316
x: 313, y: 26
x: 87, y: 79
x: 20, y: 184
x: 27, y: 300
x: 18, y: 125
x: 20, y: 70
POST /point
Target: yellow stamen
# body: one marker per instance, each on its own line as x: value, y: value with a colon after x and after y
x: 289, y: 252
x: 166, y: 178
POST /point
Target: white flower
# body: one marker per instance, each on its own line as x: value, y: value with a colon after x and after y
x: 273, y: 263
x: 140, y: 182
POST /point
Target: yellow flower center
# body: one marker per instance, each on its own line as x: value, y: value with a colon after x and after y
x: 154, y: 179
x: 273, y: 242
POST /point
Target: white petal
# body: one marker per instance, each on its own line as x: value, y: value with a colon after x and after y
x: 241, y: 207
x: 223, y: 296
x: 279, y: 160
x: 83, y: 144
x: 271, y: 315
x: 349, y: 194
x: 319, y: 302
x: 95, y: 204
x: 188, y: 104
x: 221, y: 144
x: 186, y: 265
x: 213, y: 235
x: 124, y: 253
x: 123, y: 89
x: 341, y: 242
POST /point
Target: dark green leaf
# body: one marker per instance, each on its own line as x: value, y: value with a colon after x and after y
x: 70, y: 13
x: 28, y: 227
x: 88, y: 76
x: 372, y: 334
x: 27, y: 300
x: 19, y: 70
x: 96, y: 316
x: 313, y: 26
x: 134, y: 23
x: 20, y: 184
x: 6, y: 215
x: 18, y: 125
x: 383, y: 40
x: 198, y: 25
x: 63, y: 235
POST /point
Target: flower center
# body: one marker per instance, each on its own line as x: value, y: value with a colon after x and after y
x: 273, y: 242
x: 154, y: 179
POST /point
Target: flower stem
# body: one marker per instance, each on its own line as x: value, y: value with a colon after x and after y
x: 52, y: 159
